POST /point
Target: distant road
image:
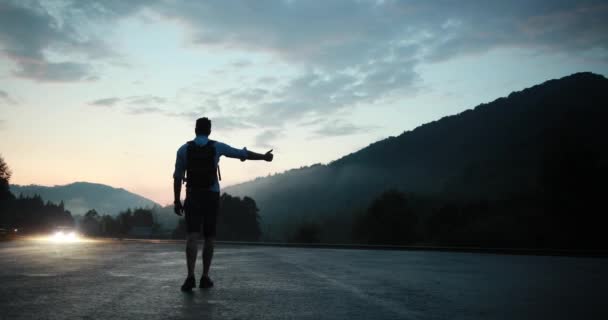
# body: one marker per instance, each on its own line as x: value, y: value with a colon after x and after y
x: 140, y: 280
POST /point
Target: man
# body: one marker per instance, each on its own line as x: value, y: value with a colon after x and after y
x: 198, y: 160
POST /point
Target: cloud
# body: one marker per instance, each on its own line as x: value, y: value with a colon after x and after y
x: 105, y: 102
x: 337, y: 128
x: 326, y: 35
x: 241, y: 64
x: 250, y: 94
x: 145, y: 110
x: 268, y: 80
x: 28, y: 30
x: 55, y: 72
x: 146, y: 100
x: 54, y: 41
x: 2, y: 124
x: 544, y: 26
x: 325, y: 93
x: 340, y: 34
x: 150, y: 104
x: 263, y: 139
x: 353, y: 53
x: 5, y: 98
x: 221, y: 123
x: 339, y: 54
x: 142, y: 101
x: 187, y: 115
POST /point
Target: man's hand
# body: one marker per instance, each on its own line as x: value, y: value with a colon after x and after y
x: 268, y: 156
x: 178, y: 208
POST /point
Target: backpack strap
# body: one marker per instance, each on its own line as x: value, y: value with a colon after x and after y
x: 219, y: 173
x: 189, y: 144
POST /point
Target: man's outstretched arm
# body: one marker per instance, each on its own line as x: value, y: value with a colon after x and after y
x: 243, y: 154
x: 268, y: 156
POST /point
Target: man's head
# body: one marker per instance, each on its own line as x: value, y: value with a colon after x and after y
x: 203, y: 127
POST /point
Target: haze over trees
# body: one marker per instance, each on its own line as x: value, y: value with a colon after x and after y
x: 80, y: 197
x: 523, y: 170
x: 388, y: 220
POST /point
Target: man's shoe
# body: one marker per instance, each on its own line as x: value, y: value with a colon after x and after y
x: 189, y: 284
x: 205, y: 283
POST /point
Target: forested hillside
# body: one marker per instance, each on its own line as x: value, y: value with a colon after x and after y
x: 535, y: 144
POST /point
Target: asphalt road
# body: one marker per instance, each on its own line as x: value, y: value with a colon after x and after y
x: 127, y: 280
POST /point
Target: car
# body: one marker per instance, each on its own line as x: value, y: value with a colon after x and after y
x: 7, y: 233
x: 64, y: 233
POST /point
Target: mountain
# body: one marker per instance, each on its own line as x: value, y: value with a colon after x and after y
x: 507, y: 148
x: 79, y: 197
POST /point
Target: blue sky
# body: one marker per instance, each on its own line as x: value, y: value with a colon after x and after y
x: 106, y: 91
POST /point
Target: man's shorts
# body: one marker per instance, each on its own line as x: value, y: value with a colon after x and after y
x: 201, y: 207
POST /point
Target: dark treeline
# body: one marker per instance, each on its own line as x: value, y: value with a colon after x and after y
x: 238, y: 220
x: 30, y: 214
x: 139, y: 222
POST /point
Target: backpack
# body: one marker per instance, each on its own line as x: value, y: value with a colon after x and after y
x: 201, y: 170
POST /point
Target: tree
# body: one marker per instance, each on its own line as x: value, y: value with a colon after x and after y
x: 238, y: 220
x: 574, y: 173
x: 5, y: 176
x: 389, y: 220
x: 306, y: 233
x: 142, y: 218
x: 109, y: 226
x: 28, y: 213
x: 91, y: 223
x: 180, y: 230
x: 124, y: 220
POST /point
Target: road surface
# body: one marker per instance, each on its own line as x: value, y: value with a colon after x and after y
x: 141, y: 280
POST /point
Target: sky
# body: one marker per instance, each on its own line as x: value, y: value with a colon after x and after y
x: 107, y: 91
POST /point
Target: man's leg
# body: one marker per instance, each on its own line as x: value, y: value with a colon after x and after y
x: 209, y: 231
x: 207, y: 255
x: 193, y: 231
x: 191, y: 251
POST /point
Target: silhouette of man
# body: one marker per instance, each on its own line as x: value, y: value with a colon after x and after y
x: 198, y: 160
